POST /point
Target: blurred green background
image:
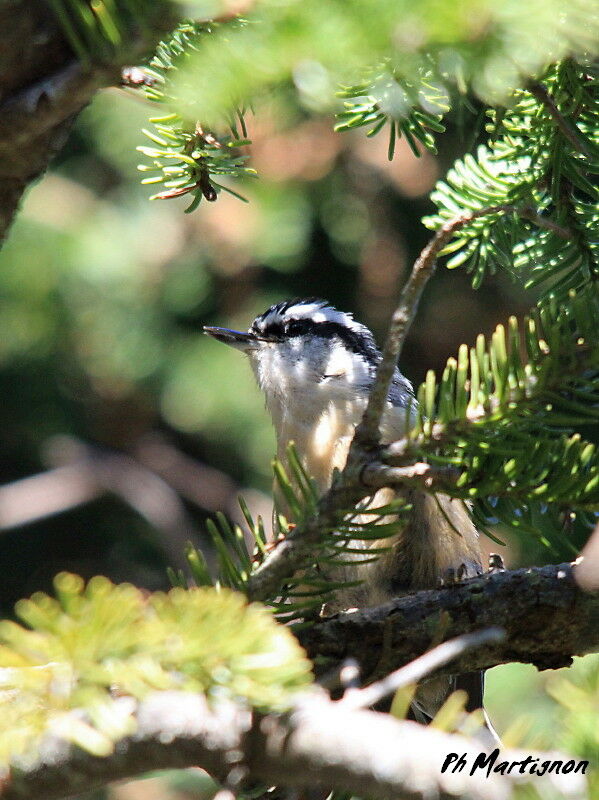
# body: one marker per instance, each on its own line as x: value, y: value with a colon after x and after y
x: 122, y: 426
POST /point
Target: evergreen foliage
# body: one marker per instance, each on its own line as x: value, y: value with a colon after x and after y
x: 495, y: 389
x: 186, y: 157
x: 538, y: 170
x: 482, y: 46
x: 414, y: 111
x: 96, y: 643
x: 98, y: 32
x: 345, y: 541
x: 504, y: 415
x: 507, y: 422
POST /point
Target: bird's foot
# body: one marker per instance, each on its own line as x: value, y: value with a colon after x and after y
x: 259, y: 554
x: 453, y: 575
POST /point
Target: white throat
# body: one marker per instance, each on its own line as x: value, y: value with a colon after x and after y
x: 316, y: 405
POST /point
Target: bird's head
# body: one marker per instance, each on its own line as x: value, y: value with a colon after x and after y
x: 306, y: 345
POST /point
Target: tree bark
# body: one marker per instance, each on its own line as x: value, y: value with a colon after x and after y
x: 43, y: 88
x: 318, y: 744
x: 546, y: 616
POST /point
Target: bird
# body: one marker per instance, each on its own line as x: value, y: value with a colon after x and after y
x: 316, y: 365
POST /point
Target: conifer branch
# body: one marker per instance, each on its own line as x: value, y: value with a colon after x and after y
x: 547, y: 224
x: 368, y: 431
x: 509, y: 394
x: 377, y: 474
x: 319, y: 743
x: 546, y: 616
x: 291, y: 553
x: 540, y: 158
x: 34, y: 124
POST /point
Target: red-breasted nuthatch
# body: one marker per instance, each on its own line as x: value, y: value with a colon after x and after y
x: 316, y: 365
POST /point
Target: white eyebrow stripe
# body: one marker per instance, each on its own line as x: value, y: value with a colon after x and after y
x: 316, y: 311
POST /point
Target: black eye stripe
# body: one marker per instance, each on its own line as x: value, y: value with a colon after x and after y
x: 299, y: 327
x: 273, y: 330
x: 360, y: 343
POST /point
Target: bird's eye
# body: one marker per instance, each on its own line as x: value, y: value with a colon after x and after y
x: 274, y: 330
x: 294, y: 327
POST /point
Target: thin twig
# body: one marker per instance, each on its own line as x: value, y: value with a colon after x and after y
x: 570, y: 132
x: 367, y: 433
x: 421, y: 667
x: 376, y: 475
x: 547, y: 224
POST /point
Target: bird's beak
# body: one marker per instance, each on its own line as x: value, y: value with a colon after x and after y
x: 237, y: 339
